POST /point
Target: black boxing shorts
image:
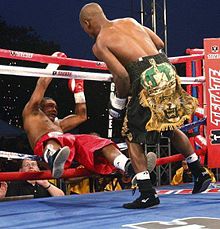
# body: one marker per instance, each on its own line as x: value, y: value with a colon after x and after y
x: 158, y: 102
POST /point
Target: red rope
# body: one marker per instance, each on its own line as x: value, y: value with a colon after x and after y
x: 194, y: 51
x: 19, y: 55
x: 73, y: 172
x: 44, y: 174
x: 170, y: 159
x: 77, y: 172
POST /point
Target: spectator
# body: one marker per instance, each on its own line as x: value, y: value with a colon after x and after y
x: 3, y: 189
x: 37, y: 188
x: 184, y: 175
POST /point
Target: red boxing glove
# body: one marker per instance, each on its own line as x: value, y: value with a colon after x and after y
x: 60, y: 54
x: 79, y: 87
x: 55, y: 66
x: 76, y: 85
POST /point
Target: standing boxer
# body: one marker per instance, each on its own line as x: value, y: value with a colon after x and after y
x: 158, y: 104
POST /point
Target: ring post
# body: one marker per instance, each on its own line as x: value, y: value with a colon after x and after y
x: 212, y: 73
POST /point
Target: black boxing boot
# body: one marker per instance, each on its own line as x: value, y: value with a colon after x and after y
x: 202, y: 179
x: 148, y: 196
x: 202, y: 182
x: 56, y: 160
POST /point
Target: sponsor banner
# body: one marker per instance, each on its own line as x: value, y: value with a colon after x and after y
x: 21, y: 54
x: 212, y: 75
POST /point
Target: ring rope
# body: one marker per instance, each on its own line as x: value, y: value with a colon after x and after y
x: 201, y: 142
x: 19, y: 55
x: 11, y: 54
x: 200, y: 112
x: 195, y: 51
x: 77, y: 172
x: 42, y: 175
x: 40, y: 72
x: 21, y: 156
x: 72, y: 172
x: 192, y: 125
x: 18, y: 156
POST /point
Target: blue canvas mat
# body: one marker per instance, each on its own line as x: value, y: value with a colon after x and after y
x: 178, y: 209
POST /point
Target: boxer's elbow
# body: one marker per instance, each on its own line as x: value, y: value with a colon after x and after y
x: 83, y: 117
x: 160, y: 45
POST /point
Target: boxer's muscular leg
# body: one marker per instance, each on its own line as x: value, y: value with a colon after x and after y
x: 138, y: 158
x: 181, y: 143
x: 110, y: 152
x: 148, y: 196
x: 114, y: 156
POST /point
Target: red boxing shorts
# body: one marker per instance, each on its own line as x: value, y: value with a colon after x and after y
x: 83, y: 149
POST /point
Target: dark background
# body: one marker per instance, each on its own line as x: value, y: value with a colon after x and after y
x: 45, y: 26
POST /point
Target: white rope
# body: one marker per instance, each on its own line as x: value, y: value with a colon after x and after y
x: 63, y: 74
x: 13, y: 155
x: 193, y: 80
x: 39, y: 72
x: 200, y: 112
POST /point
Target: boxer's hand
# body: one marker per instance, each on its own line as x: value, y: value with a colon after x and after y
x: 76, y: 86
x: 55, y: 66
x: 117, y: 107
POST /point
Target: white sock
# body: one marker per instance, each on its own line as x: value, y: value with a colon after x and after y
x: 143, y: 175
x: 120, y: 162
x: 49, y: 150
x: 193, y: 157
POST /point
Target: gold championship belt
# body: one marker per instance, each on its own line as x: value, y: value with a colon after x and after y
x: 162, y: 93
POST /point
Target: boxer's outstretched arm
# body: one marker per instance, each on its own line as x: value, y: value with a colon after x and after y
x: 70, y: 122
x: 38, y: 94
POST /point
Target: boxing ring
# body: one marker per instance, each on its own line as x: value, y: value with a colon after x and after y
x: 178, y: 209
x: 103, y: 210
